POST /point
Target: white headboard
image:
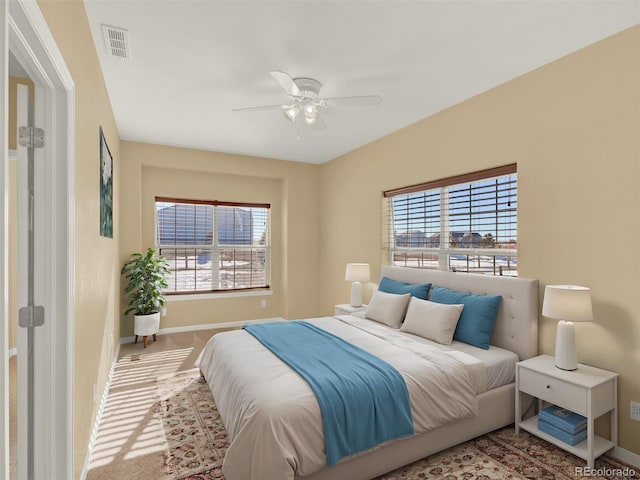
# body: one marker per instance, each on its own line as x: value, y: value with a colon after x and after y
x: 516, y: 326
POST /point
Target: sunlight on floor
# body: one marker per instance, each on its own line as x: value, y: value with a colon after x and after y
x: 131, y: 425
x: 149, y: 367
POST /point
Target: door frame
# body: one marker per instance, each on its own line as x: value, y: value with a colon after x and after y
x: 25, y: 33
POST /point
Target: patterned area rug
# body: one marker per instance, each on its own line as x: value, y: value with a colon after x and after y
x: 198, y: 441
x: 195, y: 433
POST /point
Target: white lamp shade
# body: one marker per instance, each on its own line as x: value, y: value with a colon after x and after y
x: 571, y: 303
x: 357, y: 272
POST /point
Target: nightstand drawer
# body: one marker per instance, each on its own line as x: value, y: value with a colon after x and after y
x: 553, y: 390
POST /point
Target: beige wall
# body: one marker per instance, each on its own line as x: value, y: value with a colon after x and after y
x: 572, y: 127
x: 292, y: 189
x: 97, y: 286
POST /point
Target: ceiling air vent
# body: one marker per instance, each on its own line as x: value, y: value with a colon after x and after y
x: 117, y: 42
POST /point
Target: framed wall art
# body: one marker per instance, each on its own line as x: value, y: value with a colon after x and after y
x: 106, y: 189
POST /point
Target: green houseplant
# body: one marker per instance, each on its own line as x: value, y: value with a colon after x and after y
x: 145, y: 275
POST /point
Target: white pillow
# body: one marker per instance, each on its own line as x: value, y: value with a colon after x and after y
x: 434, y: 321
x: 387, y: 308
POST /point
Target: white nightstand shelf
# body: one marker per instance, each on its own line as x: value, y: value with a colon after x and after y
x: 346, y: 309
x: 588, y: 391
x: 600, y: 445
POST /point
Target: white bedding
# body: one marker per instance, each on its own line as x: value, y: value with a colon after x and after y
x: 500, y: 363
x: 271, y: 414
x: 476, y: 369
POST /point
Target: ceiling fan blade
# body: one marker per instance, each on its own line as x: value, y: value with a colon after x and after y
x: 357, y: 101
x: 286, y: 82
x: 251, y: 109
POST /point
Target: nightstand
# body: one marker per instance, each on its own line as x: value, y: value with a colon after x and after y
x: 347, y: 309
x: 589, y: 391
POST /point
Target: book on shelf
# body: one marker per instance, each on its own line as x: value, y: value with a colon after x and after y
x: 571, y: 439
x: 563, y: 419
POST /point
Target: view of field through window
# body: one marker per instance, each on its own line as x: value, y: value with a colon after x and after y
x: 469, y: 227
x: 213, y: 247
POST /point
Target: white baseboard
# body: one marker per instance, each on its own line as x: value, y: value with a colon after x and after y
x: 96, y: 422
x: 12, y: 352
x: 207, y: 326
x: 627, y: 457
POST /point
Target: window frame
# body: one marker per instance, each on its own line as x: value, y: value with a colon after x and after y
x: 215, y: 248
x: 444, y: 250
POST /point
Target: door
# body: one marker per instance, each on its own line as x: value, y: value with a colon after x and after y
x: 4, y: 241
x: 24, y: 31
x: 31, y: 312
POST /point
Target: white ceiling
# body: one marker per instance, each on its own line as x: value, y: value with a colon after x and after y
x: 192, y: 62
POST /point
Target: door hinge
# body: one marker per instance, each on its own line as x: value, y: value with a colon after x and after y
x: 31, y: 316
x: 31, y: 137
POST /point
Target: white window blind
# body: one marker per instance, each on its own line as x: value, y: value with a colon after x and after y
x: 213, y: 246
x: 466, y: 223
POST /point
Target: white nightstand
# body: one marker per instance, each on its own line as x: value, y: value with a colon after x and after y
x: 347, y: 309
x: 589, y: 391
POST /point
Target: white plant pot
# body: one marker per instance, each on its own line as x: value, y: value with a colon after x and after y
x: 146, y: 325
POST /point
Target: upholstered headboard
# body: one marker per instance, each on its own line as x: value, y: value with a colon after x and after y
x: 516, y: 327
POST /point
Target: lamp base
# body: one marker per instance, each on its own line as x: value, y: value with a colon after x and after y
x: 566, y: 355
x: 356, y: 294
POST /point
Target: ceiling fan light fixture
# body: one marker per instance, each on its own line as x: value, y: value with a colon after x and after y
x: 292, y: 112
x: 310, y: 114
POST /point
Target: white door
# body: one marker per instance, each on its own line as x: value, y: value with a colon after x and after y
x: 24, y: 30
x: 22, y: 226
x: 30, y: 190
x: 4, y: 247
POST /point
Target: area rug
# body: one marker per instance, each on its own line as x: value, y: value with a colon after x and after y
x: 195, y: 434
x: 197, y: 443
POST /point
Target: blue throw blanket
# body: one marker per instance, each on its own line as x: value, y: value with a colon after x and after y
x: 364, y: 401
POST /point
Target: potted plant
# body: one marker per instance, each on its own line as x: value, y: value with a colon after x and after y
x: 145, y: 276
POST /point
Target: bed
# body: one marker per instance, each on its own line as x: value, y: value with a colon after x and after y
x: 275, y: 425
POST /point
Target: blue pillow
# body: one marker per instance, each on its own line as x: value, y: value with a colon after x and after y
x: 478, y: 317
x: 418, y: 290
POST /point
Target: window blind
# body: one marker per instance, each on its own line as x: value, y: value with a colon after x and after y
x: 213, y: 246
x: 464, y: 223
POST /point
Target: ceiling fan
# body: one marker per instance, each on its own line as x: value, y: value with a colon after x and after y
x: 306, y: 102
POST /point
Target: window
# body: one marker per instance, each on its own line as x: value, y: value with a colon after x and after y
x: 466, y: 223
x: 213, y: 246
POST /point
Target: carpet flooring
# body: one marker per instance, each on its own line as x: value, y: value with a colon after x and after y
x: 160, y: 422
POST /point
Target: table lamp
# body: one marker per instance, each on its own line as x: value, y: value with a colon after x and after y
x: 356, y: 273
x: 568, y: 304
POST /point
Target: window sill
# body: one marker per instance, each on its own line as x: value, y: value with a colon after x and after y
x: 209, y: 295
